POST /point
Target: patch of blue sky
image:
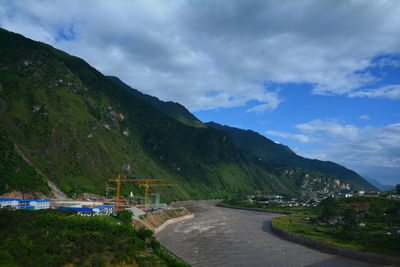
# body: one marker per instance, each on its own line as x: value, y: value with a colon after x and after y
x: 66, y: 34
x: 300, y: 106
x: 386, y: 69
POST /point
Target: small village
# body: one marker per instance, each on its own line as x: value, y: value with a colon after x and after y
x: 311, y: 201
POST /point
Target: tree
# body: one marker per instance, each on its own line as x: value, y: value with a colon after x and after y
x: 398, y: 189
x: 125, y: 216
x: 377, y: 211
x: 350, y: 217
x: 327, y: 213
x: 329, y: 209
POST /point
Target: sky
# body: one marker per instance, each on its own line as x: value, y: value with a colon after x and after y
x: 319, y: 76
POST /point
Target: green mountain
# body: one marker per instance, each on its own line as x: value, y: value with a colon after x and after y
x: 172, y: 109
x: 73, y: 126
x: 65, y: 122
x: 278, y: 154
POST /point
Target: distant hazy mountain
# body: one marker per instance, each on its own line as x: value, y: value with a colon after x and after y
x: 382, y: 187
x: 265, y: 149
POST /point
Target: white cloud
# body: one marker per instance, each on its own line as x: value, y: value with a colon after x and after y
x: 329, y: 129
x: 271, y: 101
x: 297, y: 137
x: 387, y: 61
x: 365, y: 117
x: 373, y: 150
x: 390, y: 91
x: 208, y: 54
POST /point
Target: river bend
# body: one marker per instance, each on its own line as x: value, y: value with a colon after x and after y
x: 229, y: 237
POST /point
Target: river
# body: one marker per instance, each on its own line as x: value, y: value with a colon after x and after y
x: 229, y: 237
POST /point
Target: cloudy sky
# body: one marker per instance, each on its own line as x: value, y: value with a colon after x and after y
x: 319, y: 76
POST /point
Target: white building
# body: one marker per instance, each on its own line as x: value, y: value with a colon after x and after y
x: 358, y: 192
x: 103, y: 210
x: 9, y: 202
x: 33, y: 204
x: 24, y: 203
x: 40, y: 204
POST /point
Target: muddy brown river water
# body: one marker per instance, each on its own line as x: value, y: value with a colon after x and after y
x: 228, y: 237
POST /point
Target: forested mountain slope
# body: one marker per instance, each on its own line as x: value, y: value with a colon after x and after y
x: 78, y: 129
x: 63, y: 121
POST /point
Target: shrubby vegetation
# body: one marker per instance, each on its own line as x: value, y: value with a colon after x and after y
x: 55, y: 238
x: 15, y: 173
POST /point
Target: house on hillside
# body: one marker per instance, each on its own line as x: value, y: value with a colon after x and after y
x: 358, y: 192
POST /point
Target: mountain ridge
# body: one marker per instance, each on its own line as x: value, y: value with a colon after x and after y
x: 172, y: 109
x: 261, y: 147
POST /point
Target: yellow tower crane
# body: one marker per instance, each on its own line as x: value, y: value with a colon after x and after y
x: 118, y: 180
x: 146, y: 190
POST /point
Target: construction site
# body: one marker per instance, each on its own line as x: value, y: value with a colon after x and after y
x: 139, y: 204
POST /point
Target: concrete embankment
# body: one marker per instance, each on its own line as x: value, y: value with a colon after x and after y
x: 156, y: 221
x: 171, y: 221
x: 347, y: 252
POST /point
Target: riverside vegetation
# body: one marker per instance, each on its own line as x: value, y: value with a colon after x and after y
x: 55, y: 238
x: 362, y: 223
x: 65, y: 122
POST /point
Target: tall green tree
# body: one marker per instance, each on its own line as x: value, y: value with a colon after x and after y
x: 350, y: 217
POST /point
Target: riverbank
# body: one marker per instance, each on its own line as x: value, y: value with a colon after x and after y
x: 254, y: 209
